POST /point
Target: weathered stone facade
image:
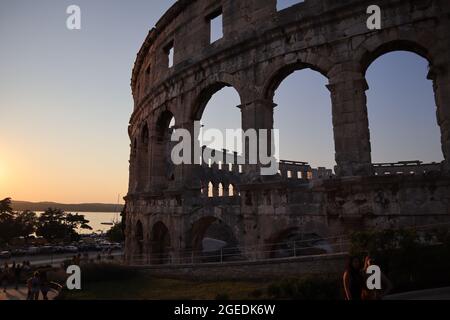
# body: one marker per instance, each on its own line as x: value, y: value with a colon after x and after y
x: 167, y: 208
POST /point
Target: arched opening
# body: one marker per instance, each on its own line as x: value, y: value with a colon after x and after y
x: 401, y: 108
x: 139, y: 238
x: 210, y: 190
x: 212, y: 240
x: 293, y: 242
x: 142, y: 149
x: 160, y: 244
x: 217, y: 110
x: 221, y: 190
x: 303, y: 116
x: 231, y: 190
x: 163, y: 169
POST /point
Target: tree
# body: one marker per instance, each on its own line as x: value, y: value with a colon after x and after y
x: 115, y: 234
x: 55, y: 224
x: 77, y: 221
x: 123, y: 215
x: 6, y: 210
x: 6, y: 220
x: 24, y: 223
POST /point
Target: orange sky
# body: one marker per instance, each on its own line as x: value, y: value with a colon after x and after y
x: 28, y: 175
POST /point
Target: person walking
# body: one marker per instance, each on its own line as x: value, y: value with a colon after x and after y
x: 44, y: 284
x: 5, y: 276
x: 17, y: 270
x: 353, y: 279
x: 35, y: 286
x: 29, y: 287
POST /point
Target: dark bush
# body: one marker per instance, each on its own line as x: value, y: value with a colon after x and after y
x: 222, y: 297
x: 98, y: 272
x: 257, y: 293
x: 412, y: 260
x: 308, y: 288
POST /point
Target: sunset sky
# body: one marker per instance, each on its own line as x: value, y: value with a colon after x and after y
x: 65, y: 102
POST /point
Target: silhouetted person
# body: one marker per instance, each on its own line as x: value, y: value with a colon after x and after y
x: 44, y: 284
x: 353, y: 279
x: 4, y: 279
x: 17, y: 270
x: 35, y: 286
x: 386, y: 285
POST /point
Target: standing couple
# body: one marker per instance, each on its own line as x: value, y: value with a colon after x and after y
x: 355, y: 281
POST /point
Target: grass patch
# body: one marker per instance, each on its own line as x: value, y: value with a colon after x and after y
x: 140, y: 285
x: 145, y: 287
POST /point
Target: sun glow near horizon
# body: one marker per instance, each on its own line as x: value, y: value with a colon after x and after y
x: 3, y: 179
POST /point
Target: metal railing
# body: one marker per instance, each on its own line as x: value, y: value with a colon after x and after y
x: 312, y: 247
x: 405, y: 168
x: 262, y: 252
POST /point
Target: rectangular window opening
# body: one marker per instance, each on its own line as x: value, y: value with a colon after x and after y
x: 170, y: 51
x: 284, y: 4
x: 216, y: 26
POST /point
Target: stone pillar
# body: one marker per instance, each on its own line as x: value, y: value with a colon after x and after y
x: 215, y: 190
x: 304, y: 174
x: 190, y: 173
x: 132, y: 183
x: 440, y: 74
x: 351, y: 126
x: 235, y: 167
x: 226, y: 190
x: 256, y: 115
x: 128, y: 237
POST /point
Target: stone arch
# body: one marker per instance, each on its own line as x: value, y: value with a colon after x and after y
x: 208, y: 89
x: 369, y: 56
x: 210, y: 189
x: 204, y: 99
x: 211, y: 239
x: 162, y: 123
x: 163, y: 170
x: 281, y: 71
x: 220, y: 190
x: 295, y: 241
x: 232, y: 191
x: 411, y: 45
x: 160, y: 244
x: 142, y: 156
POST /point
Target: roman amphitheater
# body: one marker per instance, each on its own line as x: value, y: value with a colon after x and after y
x: 174, y: 212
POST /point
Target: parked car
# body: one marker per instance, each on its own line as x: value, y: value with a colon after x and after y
x: 19, y: 252
x: 58, y: 249
x: 85, y: 247
x: 46, y: 250
x: 32, y: 250
x: 71, y: 249
x: 5, y: 255
x: 116, y: 246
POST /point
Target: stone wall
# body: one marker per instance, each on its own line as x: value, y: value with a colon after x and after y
x: 261, y: 47
x: 277, y: 269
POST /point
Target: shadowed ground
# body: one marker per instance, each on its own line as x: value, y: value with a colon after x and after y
x: 432, y: 294
x: 21, y: 294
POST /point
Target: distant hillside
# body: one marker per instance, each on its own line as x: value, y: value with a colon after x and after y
x: 82, y: 207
